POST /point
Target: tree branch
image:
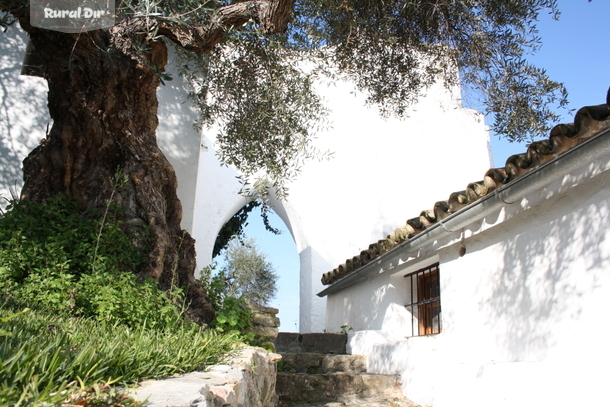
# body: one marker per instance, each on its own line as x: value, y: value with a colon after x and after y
x: 271, y: 15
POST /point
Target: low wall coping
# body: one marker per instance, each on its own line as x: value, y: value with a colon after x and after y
x: 247, y: 379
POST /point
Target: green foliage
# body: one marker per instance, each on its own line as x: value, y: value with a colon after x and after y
x: 343, y: 329
x: 234, y: 318
x: 3, y: 320
x: 247, y: 279
x: 55, y: 259
x: 393, y: 50
x: 266, y: 105
x: 234, y: 227
x: 259, y: 88
x: 519, y: 100
x: 285, y: 367
x: 232, y: 314
x: 248, y: 274
x: 49, y: 359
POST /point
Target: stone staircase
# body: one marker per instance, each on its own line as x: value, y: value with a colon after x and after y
x: 316, y: 371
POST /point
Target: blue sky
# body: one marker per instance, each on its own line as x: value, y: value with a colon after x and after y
x: 575, y: 50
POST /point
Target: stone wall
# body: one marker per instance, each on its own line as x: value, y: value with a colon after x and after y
x: 265, y: 323
x: 246, y: 380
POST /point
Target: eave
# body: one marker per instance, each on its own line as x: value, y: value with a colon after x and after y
x: 588, y: 147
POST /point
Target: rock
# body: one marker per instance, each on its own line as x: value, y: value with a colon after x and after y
x: 247, y: 379
x: 270, y: 333
x: 263, y: 310
x: 265, y: 320
x: 289, y: 342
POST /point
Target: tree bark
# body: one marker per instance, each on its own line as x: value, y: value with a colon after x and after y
x: 102, y: 99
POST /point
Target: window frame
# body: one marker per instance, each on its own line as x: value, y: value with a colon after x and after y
x: 425, y: 301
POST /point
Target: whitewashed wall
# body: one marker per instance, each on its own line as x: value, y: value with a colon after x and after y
x: 524, y: 312
x: 24, y: 116
x: 382, y: 170
x: 178, y: 140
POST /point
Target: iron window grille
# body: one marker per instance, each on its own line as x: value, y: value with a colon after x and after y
x: 425, y: 301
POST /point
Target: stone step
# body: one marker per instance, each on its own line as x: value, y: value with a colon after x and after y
x: 290, y: 342
x: 314, y: 363
x: 365, y: 402
x: 336, y: 387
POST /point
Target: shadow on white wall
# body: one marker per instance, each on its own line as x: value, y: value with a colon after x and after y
x: 24, y: 116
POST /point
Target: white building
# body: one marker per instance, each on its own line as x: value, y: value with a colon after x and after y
x: 335, y: 208
x: 498, y: 296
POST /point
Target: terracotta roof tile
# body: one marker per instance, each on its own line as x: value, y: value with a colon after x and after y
x: 587, y: 122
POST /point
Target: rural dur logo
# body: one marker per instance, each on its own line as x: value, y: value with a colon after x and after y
x: 72, y: 16
x: 78, y: 13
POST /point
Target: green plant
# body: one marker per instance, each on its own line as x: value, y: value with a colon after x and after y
x: 234, y: 227
x: 102, y: 395
x: 344, y: 329
x: 120, y: 179
x: 232, y: 315
x: 234, y: 318
x: 284, y: 367
x: 50, y: 359
x: 214, y: 285
x: 265, y: 343
x: 4, y: 332
x: 54, y: 258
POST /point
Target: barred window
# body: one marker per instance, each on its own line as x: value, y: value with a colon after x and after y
x: 425, y: 301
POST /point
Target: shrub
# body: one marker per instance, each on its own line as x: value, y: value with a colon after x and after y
x: 54, y: 258
x: 232, y: 315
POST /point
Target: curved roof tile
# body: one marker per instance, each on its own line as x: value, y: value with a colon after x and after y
x: 587, y: 121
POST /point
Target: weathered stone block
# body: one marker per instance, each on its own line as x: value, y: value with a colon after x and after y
x: 302, y: 362
x: 324, y: 343
x: 264, y: 331
x: 288, y: 342
x: 314, y: 363
x: 265, y: 320
x: 344, y: 363
x: 263, y: 310
x: 335, y: 387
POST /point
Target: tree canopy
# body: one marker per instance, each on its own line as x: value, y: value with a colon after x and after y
x: 392, y: 50
x: 247, y: 58
x: 253, y: 65
x: 248, y: 274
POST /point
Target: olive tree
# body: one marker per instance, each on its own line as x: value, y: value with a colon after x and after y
x: 254, y: 63
x: 247, y: 272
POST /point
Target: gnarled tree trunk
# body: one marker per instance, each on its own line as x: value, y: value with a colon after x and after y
x: 102, y: 99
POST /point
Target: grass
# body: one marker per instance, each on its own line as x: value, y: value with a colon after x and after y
x: 93, y: 324
x: 49, y: 360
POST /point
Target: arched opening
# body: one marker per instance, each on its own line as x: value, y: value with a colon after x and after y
x: 280, y: 250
